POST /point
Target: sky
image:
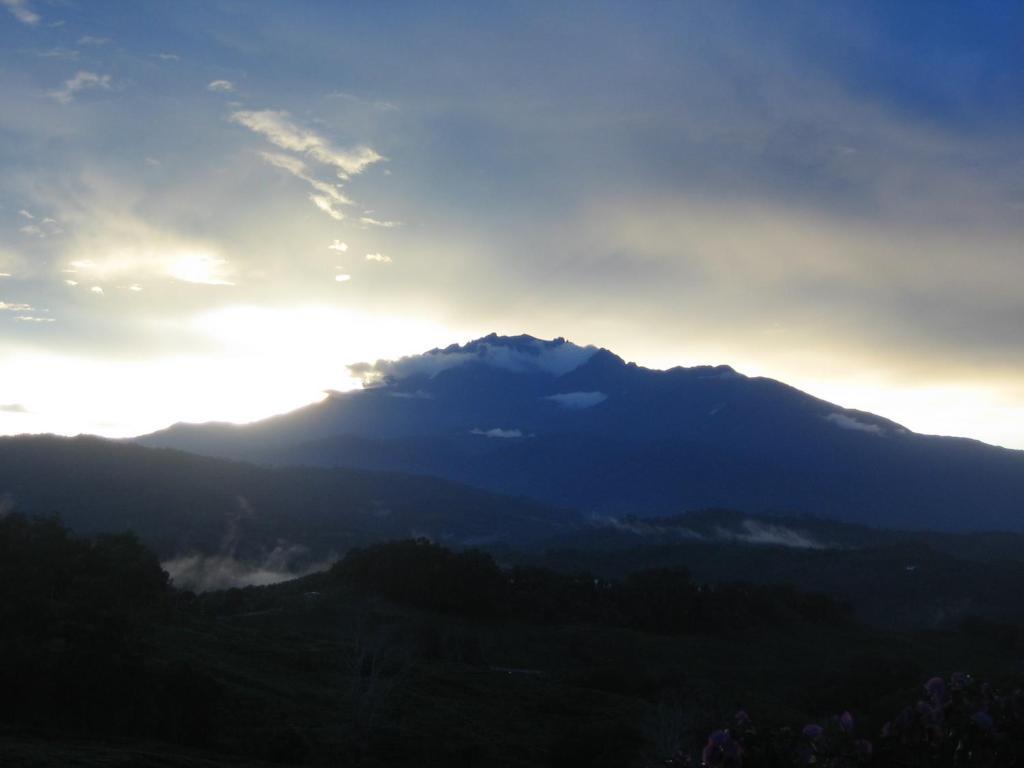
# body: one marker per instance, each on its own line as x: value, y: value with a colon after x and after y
x: 208, y: 210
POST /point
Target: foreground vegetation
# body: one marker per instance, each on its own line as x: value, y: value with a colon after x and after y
x: 410, y: 654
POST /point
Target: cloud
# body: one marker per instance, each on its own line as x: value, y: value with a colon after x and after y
x: 754, y: 532
x: 371, y: 222
x: 277, y: 127
x: 34, y: 319
x: 221, y: 86
x: 578, y: 400
x: 342, y: 278
x: 69, y: 54
x: 518, y: 354
x: 97, y: 289
x: 326, y: 197
x: 202, y: 573
x: 339, y: 246
x: 22, y: 12
x: 5, y: 274
x: 82, y: 81
x: 14, y: 307
x: 132, y: 251
x: 380, y: 258
x: 497, y: 432
x: 25, y: 214
x: 167, y: 56
x: 90, y: 40
x: 200, y: 268
x: 849, y: 422
x: 748, y: 531
x: 13, y: 408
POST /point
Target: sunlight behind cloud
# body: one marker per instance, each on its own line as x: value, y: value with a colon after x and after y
x: 198, y: 268
x: 265, y: 361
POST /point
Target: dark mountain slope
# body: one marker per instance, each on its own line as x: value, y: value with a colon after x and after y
x: 179, y: 503
x: 580, y: 427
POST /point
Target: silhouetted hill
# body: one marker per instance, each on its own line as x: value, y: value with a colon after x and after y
x: 179, y: 503
x: 579, y: 427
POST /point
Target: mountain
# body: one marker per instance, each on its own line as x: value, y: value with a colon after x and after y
x: 284, y: 518
x: 579, y: 427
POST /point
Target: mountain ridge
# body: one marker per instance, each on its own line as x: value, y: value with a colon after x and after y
x: 580, y: 427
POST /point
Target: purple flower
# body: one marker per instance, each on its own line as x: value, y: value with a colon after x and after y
x: 846, y: 723
x: 936, y: 690
x: 721, y: 751
x: 960, y: 680
x: 983, y: 720
x: 813, y: 731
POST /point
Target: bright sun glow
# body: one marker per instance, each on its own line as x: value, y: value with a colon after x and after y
x: 263, y: 361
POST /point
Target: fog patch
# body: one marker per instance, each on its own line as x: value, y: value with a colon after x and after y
x: 749, y: 531
x: 645, y: 528
x: 206, y: 573
x: 849, y: 422
x: 504, y: 434
x: 578, y: 400
x: 756, y: 532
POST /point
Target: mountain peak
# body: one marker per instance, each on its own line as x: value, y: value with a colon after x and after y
x: 518, y: 354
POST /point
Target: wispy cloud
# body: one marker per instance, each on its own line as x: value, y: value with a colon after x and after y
x: 578, y: 400
x: 371, y: 222
x: 326, y: 197
x: 14, y: 307
x: 90, y: 40
x: 339, y: 246
x: 221, y: 86
x: 277, y: 127
x: 13, y: 408
x: 70, y: 54
x: 849, y: 422
x: 167, y: 56
x: 82, y: 81
x: 22, y: 12
x: 498, y: 432
x: 380, y: 258
x: 33, y: 319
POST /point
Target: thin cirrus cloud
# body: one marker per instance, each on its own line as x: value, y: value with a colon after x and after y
x: 21, y: 10
x: 221, y: 86
x: 277, y: 127
x: 327, y: 197
x: 380, y: 258
x: 82, y: 81
x: 14, y: 307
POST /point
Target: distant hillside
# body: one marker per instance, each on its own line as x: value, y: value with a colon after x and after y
x: 891, y: 578
x: 579, y: 427
x: 180, y: 504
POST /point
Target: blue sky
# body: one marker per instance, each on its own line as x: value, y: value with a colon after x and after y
x: 208, y: 209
